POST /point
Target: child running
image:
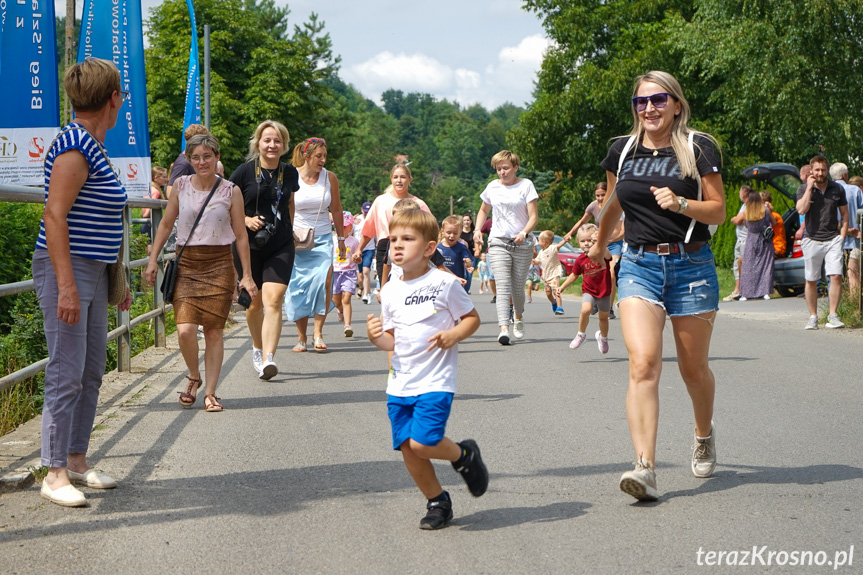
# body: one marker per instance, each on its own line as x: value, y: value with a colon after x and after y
x: 424, y: 316
x: 534, y: 274
x: 482, y: 268
x: 551, y: 269
x: 457, y: 257
x: 345, y: 275
x: 596, y: 288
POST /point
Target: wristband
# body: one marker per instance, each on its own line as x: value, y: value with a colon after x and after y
x: 340, y: 238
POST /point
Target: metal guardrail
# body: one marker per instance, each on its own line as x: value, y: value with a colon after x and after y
x: 125, y: 323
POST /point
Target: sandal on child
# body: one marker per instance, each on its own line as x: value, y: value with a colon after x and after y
x: 213, y: 406
x: 320, y: 345
x: 188, y: 397
x: 300, y: 347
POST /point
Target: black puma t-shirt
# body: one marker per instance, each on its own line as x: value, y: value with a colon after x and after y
x: 646, y: 222
x: 244, y: 177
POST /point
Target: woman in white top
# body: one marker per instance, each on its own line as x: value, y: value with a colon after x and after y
x: 205, y: 271
x: 510, y: 242
x: 311, y: 279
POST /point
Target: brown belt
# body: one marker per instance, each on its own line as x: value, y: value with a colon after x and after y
x: 668, y: 249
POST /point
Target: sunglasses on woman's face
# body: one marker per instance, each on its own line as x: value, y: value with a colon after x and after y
x: 659, y: 100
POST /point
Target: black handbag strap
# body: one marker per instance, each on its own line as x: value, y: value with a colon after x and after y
x: 201, y: 213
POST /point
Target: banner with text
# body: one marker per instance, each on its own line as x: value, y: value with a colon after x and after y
x: 112, y: 30
x: 29, y: 100
x: 193, y: 80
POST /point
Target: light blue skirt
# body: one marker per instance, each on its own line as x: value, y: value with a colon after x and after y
x: 307, y: 292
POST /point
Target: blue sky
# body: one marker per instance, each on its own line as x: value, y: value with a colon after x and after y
x: 485, y: 51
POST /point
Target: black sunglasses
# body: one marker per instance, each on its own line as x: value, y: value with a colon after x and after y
x: 659, y: 100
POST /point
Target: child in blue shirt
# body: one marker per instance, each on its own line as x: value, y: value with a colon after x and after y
x: 456, y: 254
x: 423, y: 317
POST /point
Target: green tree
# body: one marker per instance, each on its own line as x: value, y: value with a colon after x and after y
x: 254, y: 76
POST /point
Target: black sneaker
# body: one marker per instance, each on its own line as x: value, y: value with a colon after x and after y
x: 439, y: 513
x: 472, y: 469
x: 494, y: 299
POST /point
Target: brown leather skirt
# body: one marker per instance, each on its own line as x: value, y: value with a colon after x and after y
x: 205, y: 286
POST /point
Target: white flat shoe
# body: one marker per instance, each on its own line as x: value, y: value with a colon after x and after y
x: 67, y: 496
x: 91, y: 478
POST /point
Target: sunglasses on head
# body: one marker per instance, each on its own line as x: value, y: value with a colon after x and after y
x: 314, y: 141
x: 659, y: 100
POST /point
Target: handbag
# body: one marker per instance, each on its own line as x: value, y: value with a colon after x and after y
x: 304, y: 238
x: 169, y: 281
x: 767, y: 233
x: 117, y: 281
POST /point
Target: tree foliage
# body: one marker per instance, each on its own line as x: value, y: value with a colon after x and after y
x: 773, y: 80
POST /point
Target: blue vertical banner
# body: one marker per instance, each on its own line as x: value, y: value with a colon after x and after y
x: 193, y: 80
x: 29, y: 98
x: 112, y: 30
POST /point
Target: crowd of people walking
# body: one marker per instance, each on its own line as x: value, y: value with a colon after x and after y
x: 277, y: 233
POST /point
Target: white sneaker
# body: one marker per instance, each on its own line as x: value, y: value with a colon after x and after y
x: 518, y: 329
x: 767, y: 297
x: 349, y: 331
x: 640, y: 483
x: 366, y: 299
x: 601, y: 342
x: 269, y: 369
x: 742, y: 299
x: 257, y: 360
x: 704, y: 454
x: 503, y: 338
x: 833, y: 322
x: 812, y: 323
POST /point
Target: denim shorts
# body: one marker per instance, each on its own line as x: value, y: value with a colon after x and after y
x: 421, y: 417
x: 681, y: 284
x: 616, y: 248
x: 368, y: 257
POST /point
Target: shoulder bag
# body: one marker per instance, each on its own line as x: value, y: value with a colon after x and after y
x: 169, y: 281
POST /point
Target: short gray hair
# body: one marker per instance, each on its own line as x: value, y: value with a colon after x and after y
x: 838, y: 171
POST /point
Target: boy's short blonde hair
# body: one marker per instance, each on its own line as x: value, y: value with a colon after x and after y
x: 587, y: 230
x: 505, y: 156
x: 547, y: 236
x: 418, y: 220
x: 451, y: 221
x: 405, y: 204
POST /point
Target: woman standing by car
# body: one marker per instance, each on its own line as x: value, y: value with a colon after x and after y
x: 80, y: 234
x: 268, y: 187
x: 665, y: 177
x: 511, y: 243
x: 309, y: 292
x: 756, y: 271
x: 205, y: 272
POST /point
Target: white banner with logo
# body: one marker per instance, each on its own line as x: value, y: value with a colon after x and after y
x: 22, y: 155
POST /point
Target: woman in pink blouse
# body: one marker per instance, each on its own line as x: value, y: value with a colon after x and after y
x: 205, y: 273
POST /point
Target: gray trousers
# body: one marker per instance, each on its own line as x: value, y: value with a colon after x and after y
x: 76, y: 357
x: 510, y: 264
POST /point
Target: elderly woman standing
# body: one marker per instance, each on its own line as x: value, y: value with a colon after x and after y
x: 80, y: 233
x: 268, y: 185
x: 666, y: 177
x: 205, y: 273
x: 511, y: 243
x: 309, y: 292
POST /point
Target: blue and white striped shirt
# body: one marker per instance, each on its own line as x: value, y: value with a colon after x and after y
x: 95, y: 219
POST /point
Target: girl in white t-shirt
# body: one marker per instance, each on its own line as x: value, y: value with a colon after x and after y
x: 510, y: 242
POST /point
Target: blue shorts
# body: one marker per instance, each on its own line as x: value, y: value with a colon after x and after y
x: 368, y: 256
x: 681, y: 284
x: 616, y: 248
x: 420, y: 417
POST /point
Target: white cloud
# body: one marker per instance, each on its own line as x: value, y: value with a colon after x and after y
x: 510, y: 78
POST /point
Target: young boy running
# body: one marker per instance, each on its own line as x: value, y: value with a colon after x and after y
x: 423, y: 318
x: 456, y: 254
x: 596, y: 289
x: 551, y: 269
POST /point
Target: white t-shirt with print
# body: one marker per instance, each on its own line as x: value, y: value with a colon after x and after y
x: 416, y: 310
x: 509, y: 206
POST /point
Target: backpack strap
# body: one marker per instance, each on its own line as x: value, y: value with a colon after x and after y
x: 628, y: 146
x: 698, y: 180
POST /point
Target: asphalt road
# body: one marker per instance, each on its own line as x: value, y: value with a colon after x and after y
x: 297, y: 475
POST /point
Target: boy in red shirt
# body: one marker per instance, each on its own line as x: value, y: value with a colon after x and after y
x: 596, y: 289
